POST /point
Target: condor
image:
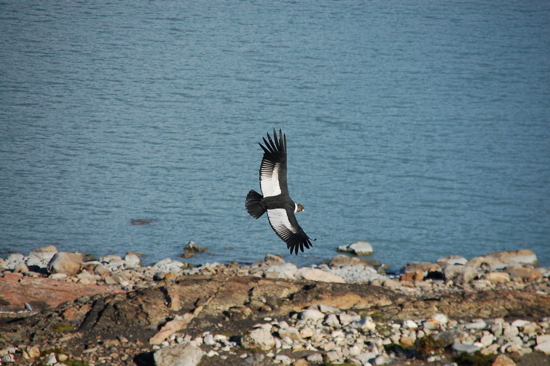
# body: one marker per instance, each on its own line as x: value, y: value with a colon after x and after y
x: 276, y: 200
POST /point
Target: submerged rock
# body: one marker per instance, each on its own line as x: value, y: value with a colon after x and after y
x: 358, y: 248
x: 193, y: 247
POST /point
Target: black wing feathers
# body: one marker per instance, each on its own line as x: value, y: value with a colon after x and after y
x: 275, y: 151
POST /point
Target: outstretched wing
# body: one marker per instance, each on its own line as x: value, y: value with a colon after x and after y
x: 286, y: 226
x: 273, y: 168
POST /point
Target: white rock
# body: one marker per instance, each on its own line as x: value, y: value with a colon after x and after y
x: 311, y: 314
x: 328, y: 309
x: 315, y: 358
x: 168, y: 265
x: 8, y: 358
x: 334, y: 357
x: 543, y: 347
x: 221, y: 338
x: 440, y: 318
x: 382, y: 360
x: 212, y: 353
x: 487, y: 339
x: 131, y: 260
x: 365, y: 323
x: 178, y: 355
x: 41, y: 257
x: 361, y: 248
x: 14, y: 260
x: 285, y: 360
x: 510, y: 331
x: 543, y: 338
x: 453, y: 259
x: 355, y: 350
x: 291, y: 333
x: 282, y: 324
x: 461, y: 347
x: 283, y: 271
x: 110, y: 258
x: 209, y: 340
x: 332, y: 321
x: 346, y: 318
x: 480, y: 324
x: 306, y: 332
x: 366, y: 357
x: 411, y: 324
x: 520, y: 323
x: 197, y: 342
x: 51, y: 360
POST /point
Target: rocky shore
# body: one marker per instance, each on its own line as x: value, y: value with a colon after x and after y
x: 59, y: 308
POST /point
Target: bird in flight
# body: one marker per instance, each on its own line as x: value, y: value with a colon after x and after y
x: 275, y: 199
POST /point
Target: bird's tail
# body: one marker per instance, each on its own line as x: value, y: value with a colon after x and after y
x: 254, y: 204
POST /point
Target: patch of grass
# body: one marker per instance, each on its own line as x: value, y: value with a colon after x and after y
x: 428, y: 346
x: 63, y: 327
x: 376, y: 316
x: 47, y: 351
x: 384, y: 329
x: 476, y: 359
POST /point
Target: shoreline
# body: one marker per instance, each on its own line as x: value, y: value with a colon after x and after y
x: 497, y: 304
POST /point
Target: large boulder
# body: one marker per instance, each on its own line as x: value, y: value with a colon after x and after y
x: 460, y: 274
x: 490, y: 263
x: 42, y: 256
x: 526, y: 274
x: 452, y: 259
x: 522, y: 256
x: 64, y: 262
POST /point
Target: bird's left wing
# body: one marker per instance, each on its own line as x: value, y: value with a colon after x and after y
x: 286, y: 226
x: 273, y: 167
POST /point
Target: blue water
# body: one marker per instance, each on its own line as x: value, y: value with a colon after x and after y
x: 422, y: 128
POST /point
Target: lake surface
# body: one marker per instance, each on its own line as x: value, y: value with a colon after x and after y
x: 422, y: 128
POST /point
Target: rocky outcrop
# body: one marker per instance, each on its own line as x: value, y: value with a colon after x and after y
x: 274, y: 311
x: 17, y: 290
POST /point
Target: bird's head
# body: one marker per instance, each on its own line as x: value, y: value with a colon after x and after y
x: 299, y: 208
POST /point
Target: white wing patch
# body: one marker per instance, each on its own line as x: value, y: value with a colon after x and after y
x: 279, y: 221
x: 269, y: 181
